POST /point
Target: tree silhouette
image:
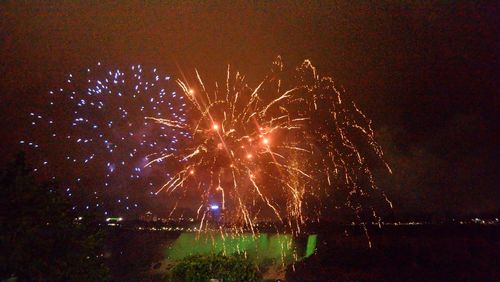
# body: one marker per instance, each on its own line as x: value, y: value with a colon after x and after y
x: 41, y: 238
x: 215, y: 266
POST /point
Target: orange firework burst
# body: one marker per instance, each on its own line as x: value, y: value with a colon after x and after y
x: 275, y: 151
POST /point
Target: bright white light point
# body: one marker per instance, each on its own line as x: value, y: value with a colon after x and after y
x: 214, y: 207
x: 265, y: 141
x: 215, y: 126
x: 191, y: 172
x: 191, y: 91
x: 249, y: 156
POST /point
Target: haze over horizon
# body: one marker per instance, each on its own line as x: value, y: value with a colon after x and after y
x: 425, y: 73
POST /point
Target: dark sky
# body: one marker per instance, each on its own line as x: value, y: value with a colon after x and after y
x: 426, y: 73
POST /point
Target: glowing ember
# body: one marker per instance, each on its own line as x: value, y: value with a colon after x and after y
x: 321, y: 142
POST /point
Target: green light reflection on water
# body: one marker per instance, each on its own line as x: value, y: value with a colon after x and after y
x: 263, y: 248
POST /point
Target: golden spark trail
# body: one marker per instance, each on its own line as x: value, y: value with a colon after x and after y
x: 274, y: 152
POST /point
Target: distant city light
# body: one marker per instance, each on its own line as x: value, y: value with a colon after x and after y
x: 214, y: 207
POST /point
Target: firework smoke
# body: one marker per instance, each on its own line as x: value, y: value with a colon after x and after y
x: 92, y: 137
x: 278, y: 151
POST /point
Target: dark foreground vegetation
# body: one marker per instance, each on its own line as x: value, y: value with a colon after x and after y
x: 225, y: 268
x: 398, y: 253
x: 41, y: 239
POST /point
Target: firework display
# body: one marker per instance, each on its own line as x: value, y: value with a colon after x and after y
x: 276, y: 152
x: 97, y: 143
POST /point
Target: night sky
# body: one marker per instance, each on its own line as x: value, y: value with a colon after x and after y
x: 425, y: 73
